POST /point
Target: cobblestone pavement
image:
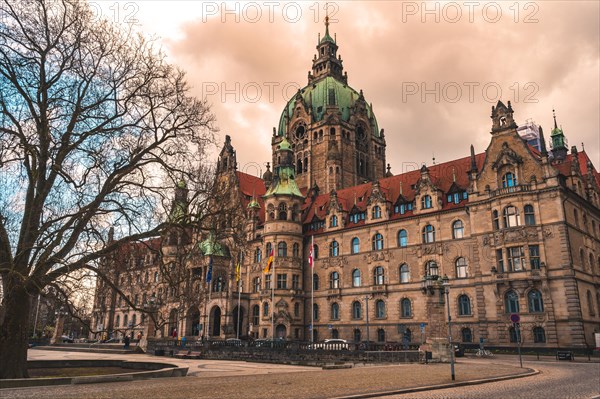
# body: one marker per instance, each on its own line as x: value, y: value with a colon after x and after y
x: 227, y: 379
x: 555, y: 381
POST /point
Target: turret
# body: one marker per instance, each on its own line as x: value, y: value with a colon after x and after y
x: 558, y: 142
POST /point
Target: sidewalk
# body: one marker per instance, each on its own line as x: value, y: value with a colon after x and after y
x: 212, y: 378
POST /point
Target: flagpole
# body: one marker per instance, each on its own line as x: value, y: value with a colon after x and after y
x: 239, y: 277
x: 273, y: 298
x: 312, y: 290
x: 209, y: 281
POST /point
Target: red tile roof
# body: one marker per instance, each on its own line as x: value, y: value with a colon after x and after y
x: 252, y: 186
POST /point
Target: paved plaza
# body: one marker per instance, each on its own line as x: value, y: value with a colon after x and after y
x: 233, y: 379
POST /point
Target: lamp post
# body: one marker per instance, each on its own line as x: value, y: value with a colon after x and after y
x: 446, y: 285
x: 367, y: 309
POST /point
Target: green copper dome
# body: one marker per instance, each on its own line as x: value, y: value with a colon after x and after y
x: 317, y: 96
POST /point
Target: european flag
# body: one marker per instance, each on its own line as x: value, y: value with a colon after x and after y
x: 209, y: 271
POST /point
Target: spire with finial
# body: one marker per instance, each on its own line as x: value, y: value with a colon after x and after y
x: 473, y: 160
x: 327, y: 63
x: 559, y: 142
x: 543, y: 149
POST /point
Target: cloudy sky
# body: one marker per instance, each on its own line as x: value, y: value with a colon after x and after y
x: 431, y: 70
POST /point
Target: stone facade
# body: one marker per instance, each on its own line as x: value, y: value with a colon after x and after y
x: 514, y: 229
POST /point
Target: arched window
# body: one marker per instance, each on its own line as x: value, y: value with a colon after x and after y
x: 458, y: 229
x: 529, y: 215
x: 379, y: 309
x: 333, y: 221
x: 377, y: 242
x: 405, y: 308
x: 581, y: 257
x: 334, y: 280
x: 461, y: 268
x: 404, y: 273
x: 282, y: 211
x: 356, y: 335
x: 265, y: 309
x: 356, y: 310
x: 296, y: 250
x: 356, y: 280
x: 156, y: 277
x: 428, y: 234
x: 257, y: 255
x: 315, y: 282
x: 296, y: 309
x: 466, y: 335
x: 315, y: 251
x: 495, y: 220
x: 378, y: 275
x: 539, y: 335
x: 334, y: 249
x: 510, y: 216
x: 355, y: 246
x: 402, y: 238
x: 315, y: 311
x: 125, y: 320
x: 255, y: 315
x: 118, y: 321
x: 512, y: 335
x: 509, y: 180
x: 269, y: 249
x: 376, y: 212
x: 134, y: 320
x: 431, y: 268
x: 511, y: 302
x: 464, y: 305
x: 534, y: 301
x: 282, y: 249
x: 380, y: 335
x: 426, y: 202
x: 335, y: 311
x: 219, y: 284
x: 590, y: 303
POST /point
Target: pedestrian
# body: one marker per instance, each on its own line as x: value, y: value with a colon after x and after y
x: 174, y: 333
x: 126, y: 340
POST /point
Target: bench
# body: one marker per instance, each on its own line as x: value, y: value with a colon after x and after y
x: 195, y: 355
x: 564, y: 355
x: 182, y: 354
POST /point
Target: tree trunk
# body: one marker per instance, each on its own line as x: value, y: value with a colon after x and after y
x: 14, y: 333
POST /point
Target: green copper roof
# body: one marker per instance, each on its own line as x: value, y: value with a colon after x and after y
x: 254, y: 204
x: 211, y: 247
x: 318, y: 94
x: 285, y: 183
x: 285, y: 145
x: 181, y: 184
x: 556, y: 132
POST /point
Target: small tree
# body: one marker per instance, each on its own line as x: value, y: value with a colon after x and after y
x: 94, y: 125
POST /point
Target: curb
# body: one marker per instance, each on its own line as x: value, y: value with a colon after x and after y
x: 528, y: 373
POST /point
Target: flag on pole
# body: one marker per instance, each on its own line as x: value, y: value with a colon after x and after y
x: 238, y: 272
x: 311, y: 256
x: 267, y: 269
x: 209, y: 271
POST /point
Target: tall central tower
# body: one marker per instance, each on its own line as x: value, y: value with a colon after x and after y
x: 332, y: 130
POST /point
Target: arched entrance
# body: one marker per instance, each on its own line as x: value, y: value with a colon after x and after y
x: 172, y: 326
x: 238, y: 321
x: 215, y: 319
x: 280, y: 331
x: 192, y: 322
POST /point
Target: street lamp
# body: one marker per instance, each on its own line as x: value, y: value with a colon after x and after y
x: 446, y: 285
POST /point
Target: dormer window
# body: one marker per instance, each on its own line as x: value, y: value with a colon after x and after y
x: 333, y: 221
x: 509, y: 180
x: 426, y: 202
x: 376, y: 212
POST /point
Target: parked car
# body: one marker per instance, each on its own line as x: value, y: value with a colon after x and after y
x: 233, y: 342
x: 331, y: 344
x: 67, y: 339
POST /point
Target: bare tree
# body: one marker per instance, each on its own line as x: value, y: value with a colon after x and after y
x: 94, y: 124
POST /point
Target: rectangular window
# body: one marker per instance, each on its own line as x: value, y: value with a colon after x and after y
x: 534, y: 256
x: 282, y: 281
x: 500, y: 261
x: 295, y: 282
x: 268, y: 282
x: 516, y: 259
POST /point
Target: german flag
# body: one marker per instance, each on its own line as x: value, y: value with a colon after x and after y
x: 267, y: 269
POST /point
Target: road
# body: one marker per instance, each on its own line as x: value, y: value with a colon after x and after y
x: 555, y: 381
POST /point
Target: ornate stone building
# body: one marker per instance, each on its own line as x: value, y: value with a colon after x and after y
x: 516, y: 230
